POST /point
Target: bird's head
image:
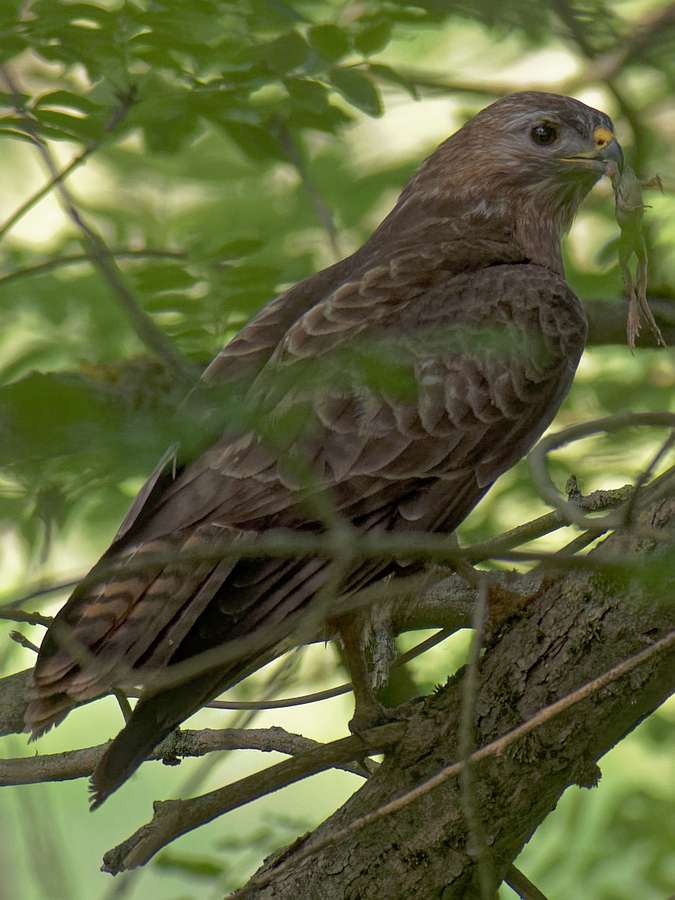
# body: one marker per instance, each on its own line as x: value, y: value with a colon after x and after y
x: 532, y: 150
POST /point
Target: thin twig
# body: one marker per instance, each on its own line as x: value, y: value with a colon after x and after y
x: 303, y: 626
x: 490, y: 549
x: 640, y: 36
x: 30, y: 618
x: 39, y: 592
x: 537, y: 459
x: 522, y: 885
x: 52, y: 183
x: 494, y: 748
x: 175, y: 817
x: 323, y: 213
x: 189, y: 743
x: 523, y: 534
x: 23, y: 641
x: 329, y: 693
x: 567, y: 16
x: 74, y: 258
x: 118, y: 114
x: 645, y: 476
x: 123, y: 703
x: 153, y: 337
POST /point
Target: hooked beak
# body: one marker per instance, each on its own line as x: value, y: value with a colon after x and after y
x: 606, y: 150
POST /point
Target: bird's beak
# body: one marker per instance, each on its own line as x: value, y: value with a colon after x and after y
x: 606, y: 149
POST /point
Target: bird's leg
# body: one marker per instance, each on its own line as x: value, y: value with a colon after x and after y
x: 383, y: 650
x: 368, y: 711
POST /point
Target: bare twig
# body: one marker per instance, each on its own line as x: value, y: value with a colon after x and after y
x: 523, y: 534
x: 567, y: 16
x: 522, y: 885
x: 323, y: 213
x: 118, y: 114
x: 189, y: 743
x: 175, y: 817
x: 538, y: 465
x: 30, y: 618
x: 123, y: 702
x: 52, y: 183
x: 639, y: 37
x: 23, y: 641
x: 145, y: 328
x: 75, y: 258
x: 645, y: 475
x: 329, y: 693
x: 490, y: 549
x: 39, y: 592
x: 494, y: 748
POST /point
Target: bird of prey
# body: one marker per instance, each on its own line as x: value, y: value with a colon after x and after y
x: 386, y: 393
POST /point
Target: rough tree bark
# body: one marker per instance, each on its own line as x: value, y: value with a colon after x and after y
x: 583, y: 620
x: 578, y: 626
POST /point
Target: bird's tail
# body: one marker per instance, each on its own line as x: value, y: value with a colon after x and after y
x: 151, y: 721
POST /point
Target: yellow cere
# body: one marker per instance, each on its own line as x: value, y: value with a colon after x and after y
x: 602, y: 138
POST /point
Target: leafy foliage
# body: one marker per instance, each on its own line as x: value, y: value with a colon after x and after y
x: 218, y: 138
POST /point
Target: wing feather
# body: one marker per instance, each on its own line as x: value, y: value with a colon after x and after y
x: 481, y: 369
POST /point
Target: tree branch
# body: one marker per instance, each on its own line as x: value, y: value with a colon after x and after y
x: 72, y: 259
x: 322, y: 211
x: 175, y: 817
x: 81, y: 763
x: 580, y: 630
x: 522, y: 885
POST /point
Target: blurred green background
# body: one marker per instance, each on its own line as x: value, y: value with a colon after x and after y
x: 231, y: 148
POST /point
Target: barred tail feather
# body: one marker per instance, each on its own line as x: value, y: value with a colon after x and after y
x: 152, y: 720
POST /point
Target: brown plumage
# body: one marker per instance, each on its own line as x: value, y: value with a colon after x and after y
x: 389, y: 390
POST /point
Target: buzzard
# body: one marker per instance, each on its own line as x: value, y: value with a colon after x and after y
x: 383, y: 394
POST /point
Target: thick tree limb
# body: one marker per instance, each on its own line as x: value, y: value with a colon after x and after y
x: 494, y: 748
x: 13, y: 702
x: 580, y: 626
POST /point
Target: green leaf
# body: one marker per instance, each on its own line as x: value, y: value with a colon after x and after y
x: 358, y: 89
x: 67, y: 100
x: 18, y: 132
x: 170, y: 134
x: 48, y: 415
x: 329, y: 42
x: 10, y: 101
x: 386, y: 73
x: 373, y: 39
x: 237, y: 249
x: 308, y: 94
x: 285, y: 53
x: 166, y: 277
x: 80, y: 128
x: 256, y: 143
x: 273, y: 12
x: 331, y: 120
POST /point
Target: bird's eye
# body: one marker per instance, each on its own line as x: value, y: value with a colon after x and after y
x: 544, y: 134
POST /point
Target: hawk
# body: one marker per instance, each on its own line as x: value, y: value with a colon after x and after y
x: 383, y: 394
